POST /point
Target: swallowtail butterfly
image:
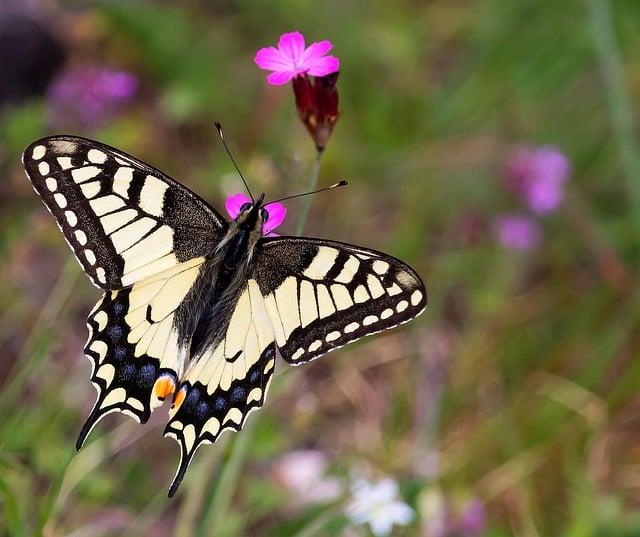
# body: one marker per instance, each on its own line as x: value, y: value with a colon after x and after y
x: 196, y: 308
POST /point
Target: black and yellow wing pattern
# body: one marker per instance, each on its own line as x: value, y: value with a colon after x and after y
x: 123, y: 219
x: 166, y: 327
x: 139, y: 235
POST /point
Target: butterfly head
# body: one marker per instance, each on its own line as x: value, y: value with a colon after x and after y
x: 252, y: 215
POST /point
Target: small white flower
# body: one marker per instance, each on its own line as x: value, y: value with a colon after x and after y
x: 378, y: 505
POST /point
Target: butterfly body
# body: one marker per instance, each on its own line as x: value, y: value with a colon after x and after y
x: 196, y: 308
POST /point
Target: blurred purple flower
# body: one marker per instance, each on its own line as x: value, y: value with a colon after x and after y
x: 517, y: 232
x: 90, y: 94
x: 538, y: 175
x: 277, y: 211
x: 472, y: 520
x: 293, y: 58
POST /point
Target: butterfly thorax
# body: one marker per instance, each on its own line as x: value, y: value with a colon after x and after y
x: 209, y: 304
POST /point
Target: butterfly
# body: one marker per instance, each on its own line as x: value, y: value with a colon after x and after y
x: 196, y: 308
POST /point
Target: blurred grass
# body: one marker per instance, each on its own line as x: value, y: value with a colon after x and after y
x: 528, y: 402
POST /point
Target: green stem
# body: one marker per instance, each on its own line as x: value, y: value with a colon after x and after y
x: 313, y: 182
x: 618, y: 98
x: 214, y: 518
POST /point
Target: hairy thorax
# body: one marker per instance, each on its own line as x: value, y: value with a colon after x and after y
x: 208, y: 306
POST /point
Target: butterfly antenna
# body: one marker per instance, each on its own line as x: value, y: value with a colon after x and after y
x: 336, y: 185
x: 226, y: 147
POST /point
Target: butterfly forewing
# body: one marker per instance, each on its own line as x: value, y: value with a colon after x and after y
x: 323, y: 294
x: 123, y: 219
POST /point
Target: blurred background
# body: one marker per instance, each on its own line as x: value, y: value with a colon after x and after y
x: 490, y: 144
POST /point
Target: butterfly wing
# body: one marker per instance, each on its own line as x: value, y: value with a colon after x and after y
x: 134, y: 346
x: 123, y: 219
x: 323, y: 294
x: 307, y: 294
x: 226, y: 383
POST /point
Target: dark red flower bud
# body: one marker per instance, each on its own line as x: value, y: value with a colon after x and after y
x: 317, y: 104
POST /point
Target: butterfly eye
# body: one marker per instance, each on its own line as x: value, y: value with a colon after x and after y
x: 265, y: 214
x: 245, y: 207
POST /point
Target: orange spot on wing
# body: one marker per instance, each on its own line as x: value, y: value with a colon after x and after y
x: 178, y: 398
x: 164, y: 387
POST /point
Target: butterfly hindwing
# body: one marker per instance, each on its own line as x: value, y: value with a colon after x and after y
x: 227, y: 382
x: 123, y: 219
x: 323, y: 294
x: 134, y: 345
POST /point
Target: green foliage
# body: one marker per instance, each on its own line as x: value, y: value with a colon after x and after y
x: 518, y: 386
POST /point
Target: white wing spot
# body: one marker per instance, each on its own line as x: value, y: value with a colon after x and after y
x: 51, y: 183
x: 315, y: 345
x: 81, y: 236
x: 416, y: 297
x: 297, y: 354
x: 65, y: 162
x: 71, y: 217
x: 38, y: 152
x: 60, y: 200
x: 386, y: 313
x: 101, y: 318
x: 91, y: 190
x: 360, y: 295
x: 43, y: 168
x: 152, y: 195
x: 96, y: 156
x: 349, y: 270
x: 351, y: 327
x: 394, y: 289
x: 100, y: 273
x: 321, y: 263
x: 80, y: 175
x: 332, y: 336
x: 369, y: 319
x: 91, y: 257
x: 380, y: 267
x: 402, y: 305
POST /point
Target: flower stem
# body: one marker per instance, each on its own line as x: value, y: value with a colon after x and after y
x: 313, y: 182
x: 620, y: 108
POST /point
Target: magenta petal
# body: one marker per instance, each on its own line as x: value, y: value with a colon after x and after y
x: 323, y: 66
x: 314, y: 51
x: 233, y: 204
x: 272, y: 59
x: 292, y: 45
x: 280, y: 77
x: 277, y: 213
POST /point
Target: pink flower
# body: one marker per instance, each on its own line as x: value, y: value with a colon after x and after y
x: 276, y: 211
x: 291, y: 58
x: 538, y: 175
x: 517, y: 232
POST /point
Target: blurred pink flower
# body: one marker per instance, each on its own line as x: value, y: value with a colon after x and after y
x: 277, y: 212
x: 538, y: 175
x: 292, y: 58
x: 517, y: 232
x: 303, y: 473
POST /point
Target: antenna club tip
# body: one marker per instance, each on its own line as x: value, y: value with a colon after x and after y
x: 343, y: 183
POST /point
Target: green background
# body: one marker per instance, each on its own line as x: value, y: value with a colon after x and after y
x: 518, y: 385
